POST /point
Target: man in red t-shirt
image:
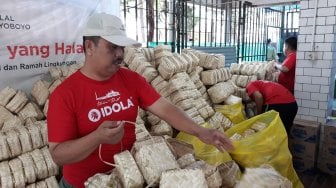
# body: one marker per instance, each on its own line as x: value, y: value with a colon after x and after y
x: 287, y: 68
x: 273, y: 96
x: 91, y: 106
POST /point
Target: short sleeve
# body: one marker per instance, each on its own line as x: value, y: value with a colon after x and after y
x: 61, y: 118
x: 147, y: 94
x: 290, y: 62
x: 251, y: 88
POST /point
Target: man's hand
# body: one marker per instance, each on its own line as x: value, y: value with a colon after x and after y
x: 216, y: 138
x: 110, y: 132
x: 281, y: 67
x: 277, y: 66
x: 181, y: 121
x: 71, y: 151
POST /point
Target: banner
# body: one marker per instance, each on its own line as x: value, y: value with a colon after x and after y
x: 38, y: 34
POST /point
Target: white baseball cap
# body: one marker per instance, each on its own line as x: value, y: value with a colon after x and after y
x: 110, y: 28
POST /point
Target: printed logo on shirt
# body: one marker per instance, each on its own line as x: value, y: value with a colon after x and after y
x: 108, y: 95
x: 108, y: 104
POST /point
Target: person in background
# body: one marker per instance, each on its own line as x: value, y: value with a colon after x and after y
x: 273, y: 96
x: 287, y: 68
x: 96, y: 105
x: 271, y: 54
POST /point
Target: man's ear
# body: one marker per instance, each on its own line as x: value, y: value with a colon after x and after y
x: 89, y: 47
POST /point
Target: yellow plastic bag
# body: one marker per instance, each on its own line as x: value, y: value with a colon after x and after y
x: 269, y: 146
x: 208, y: 153
x: 235, y: 112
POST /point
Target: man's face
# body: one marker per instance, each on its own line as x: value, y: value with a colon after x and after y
x: 285, y: 49
x: 107, y: 57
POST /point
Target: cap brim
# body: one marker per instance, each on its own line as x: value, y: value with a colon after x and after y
x: 121, y: 40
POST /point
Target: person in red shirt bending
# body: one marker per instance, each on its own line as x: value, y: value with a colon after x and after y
x: 273, y: 96
x: 287, y: 68
x: 95, y: 107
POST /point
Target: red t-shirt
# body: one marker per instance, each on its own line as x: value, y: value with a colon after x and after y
x: 79, y: 105
x: 287, y: 79
x: 273, y: 93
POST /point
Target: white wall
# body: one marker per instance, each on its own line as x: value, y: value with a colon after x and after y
x: 314, y: 85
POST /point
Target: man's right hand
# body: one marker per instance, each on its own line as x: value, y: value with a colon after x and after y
x: 110, y: 132
x: 71, y: 151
